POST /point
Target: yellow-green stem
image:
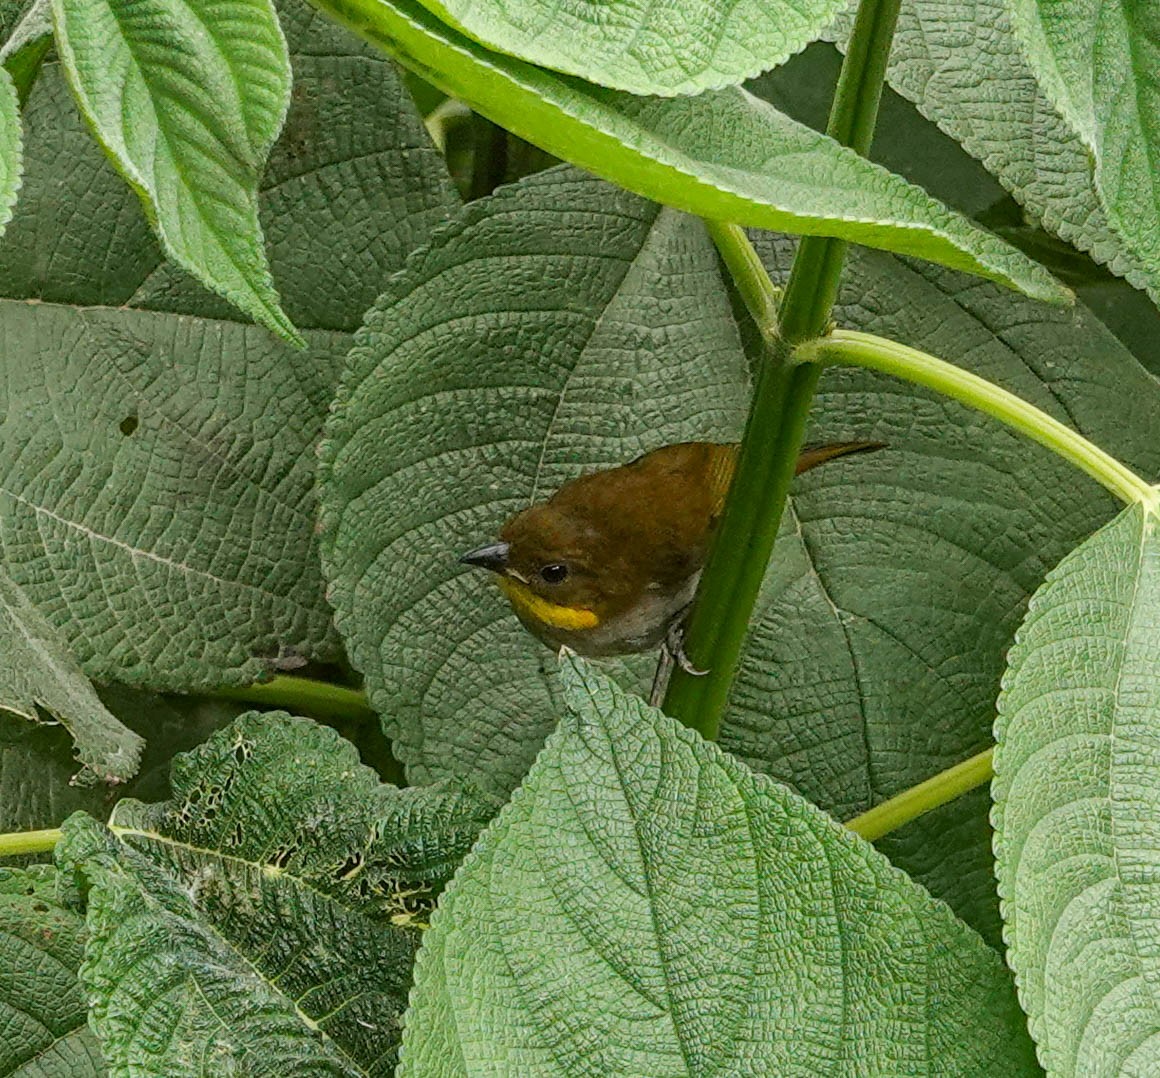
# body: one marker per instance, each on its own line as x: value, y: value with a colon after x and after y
x: 852, y: 348
x: 923, y: 798
x: 22, y: 843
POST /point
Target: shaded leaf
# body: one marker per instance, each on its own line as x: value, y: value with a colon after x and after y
x: 557, y: 326
x: 187, y: 101
x: 963, y: 66
x: 674, y: 47
x: 722, y: 154
x: 36, y: 670
x: 1076, y: 804
x: 276, y: 940
x: 647, y: 905
x: 43, y: 1010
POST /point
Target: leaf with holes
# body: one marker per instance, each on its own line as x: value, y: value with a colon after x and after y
x: 724, y: 154
x: 672, y: 47
x: 1077, y: 807
x: 220, y: 930
x: 36, y: 670
x: 43, y: 1009
x: 560, y: 325
x: 187, y: 100
x: 647, y: 905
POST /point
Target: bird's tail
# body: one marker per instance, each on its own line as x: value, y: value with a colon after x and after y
x: 813, y: 455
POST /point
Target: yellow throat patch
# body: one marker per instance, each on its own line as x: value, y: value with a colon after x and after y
x: 528, y: 603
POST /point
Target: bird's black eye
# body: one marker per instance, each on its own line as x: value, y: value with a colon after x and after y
x: 554, y: 573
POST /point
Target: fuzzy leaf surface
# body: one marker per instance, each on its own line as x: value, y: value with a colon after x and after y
x: 1097, y: 62
x: 1076, y: 807
x: 222, y: 931
x: 161, y: 511
x: 723, y: 154
x: 37, y: 670
x: 43, y: 1009
x: 559, y: 326
x: 11, y: 147
x: 671, y: 47
x: 963, y: 66
x: 647, y: 905
x: 187, y: 100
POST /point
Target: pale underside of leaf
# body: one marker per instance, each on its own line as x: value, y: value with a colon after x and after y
x: 722, y: 154
x: 963, y: 66
x: 37, y: 670
x: 667, y: 47
x: 645, y: 905
x: 187, y: 100
x: 1076, y: 806
x: 11, y: 147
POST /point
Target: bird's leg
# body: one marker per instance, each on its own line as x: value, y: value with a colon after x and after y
x: 661, y: 678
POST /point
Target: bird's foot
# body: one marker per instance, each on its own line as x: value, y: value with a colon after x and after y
x: 674, y: 645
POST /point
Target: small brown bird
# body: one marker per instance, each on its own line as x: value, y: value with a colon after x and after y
x: 609, y: 564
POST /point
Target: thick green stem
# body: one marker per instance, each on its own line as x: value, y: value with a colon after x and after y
x: 923, y: 798
x: 855, y: 349
x: 305, y: 696
x: 21, y: 843
x: 776, y: 425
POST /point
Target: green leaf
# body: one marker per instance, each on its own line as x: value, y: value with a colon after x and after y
x: 352, y: 187
x: 36, y: 670
x: 647, y: 905
x: 187, y: 101
x: 625, y: 342
x: 11, y: 147
x: 722, y: 154
x: 674, y: 47
x: 1076, y: 804
x: 222, y: 931
x: 43, y: 1010
x: 899, y: 579
x: 1097, y: 64
x: 156, y: 490
x: 962, y: 65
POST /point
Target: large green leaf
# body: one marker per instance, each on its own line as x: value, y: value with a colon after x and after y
x: 1097, y: 64
x: 37, y: 671
x: 156, y: 489
x: 1077, y: 806
x: 899, y: 579
x: 559, y: 325
x: 963, y: 67
x: 188, y: 100
x: 672, y: 47
x: 43, y: 1010
x: 216, y: 574
x: 646, y: 905
x: 221, y: 930
x: 898, y: 582
x: 722, y: 154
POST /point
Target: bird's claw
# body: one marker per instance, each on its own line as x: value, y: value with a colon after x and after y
x: 675, y: 645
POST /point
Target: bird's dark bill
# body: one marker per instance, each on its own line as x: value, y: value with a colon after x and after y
x: 494, y: 556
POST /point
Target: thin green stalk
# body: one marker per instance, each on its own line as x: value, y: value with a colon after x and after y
x: 760, y: 295
x: 778, y: 412
x: 925, y: 797
x: 19, y: 843
x: 304, y: 696
x: 851, y: 348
